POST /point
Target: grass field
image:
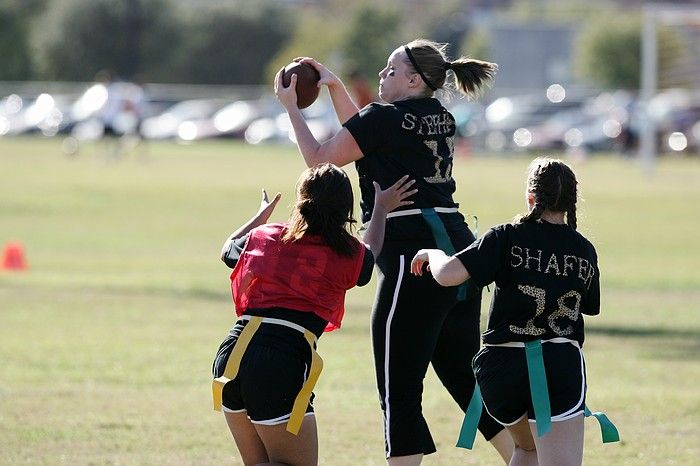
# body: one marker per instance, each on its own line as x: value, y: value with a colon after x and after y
x: 106, y: 342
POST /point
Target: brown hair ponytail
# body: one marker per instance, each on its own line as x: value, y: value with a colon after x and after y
x: 472, y: 75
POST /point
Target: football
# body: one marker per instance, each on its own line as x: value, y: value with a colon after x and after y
x: 307, y: 82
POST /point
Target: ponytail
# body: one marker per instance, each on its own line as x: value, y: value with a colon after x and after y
x: 472, y: 75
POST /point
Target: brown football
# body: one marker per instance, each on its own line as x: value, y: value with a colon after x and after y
x: 307, y: 82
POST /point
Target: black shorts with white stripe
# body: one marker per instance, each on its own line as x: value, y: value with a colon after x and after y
x: 503, y: 380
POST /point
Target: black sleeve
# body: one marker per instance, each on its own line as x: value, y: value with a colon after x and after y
x: 366, y: 127
x: 591, y: 303
x: 236, y: 247
x: 367, y: 267
x: 484, y: 258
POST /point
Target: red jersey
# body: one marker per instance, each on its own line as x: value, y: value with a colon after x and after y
x: 304, y: 275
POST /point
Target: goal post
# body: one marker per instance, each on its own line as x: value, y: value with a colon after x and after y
x: 655, y: 17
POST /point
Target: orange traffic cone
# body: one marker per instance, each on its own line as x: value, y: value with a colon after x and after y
x: 13, y: 258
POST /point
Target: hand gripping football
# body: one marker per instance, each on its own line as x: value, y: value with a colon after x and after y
x: 307, y: 82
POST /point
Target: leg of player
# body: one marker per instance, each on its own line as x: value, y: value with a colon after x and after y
x: 289, y: 449
x: 563, y: 445
x: 249, y: 444
x: 524, y: 453
x: 459, y: 341
x: 503, y: 443
x: 409, y: 460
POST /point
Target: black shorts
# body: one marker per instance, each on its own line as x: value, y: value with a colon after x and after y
x: 502, y: 375
x: 273, y: 369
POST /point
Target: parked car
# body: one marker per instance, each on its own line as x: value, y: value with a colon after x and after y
x: 676, y: 116
x: 231, y: 121
x: 509, y: 119
x: 12, y: 108
x: 601, y: 123
x: 320, y: 116
x: 167, y: 124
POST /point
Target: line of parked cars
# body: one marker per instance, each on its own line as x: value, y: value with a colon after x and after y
x: 123, y: 109
x: 608, y: 121
x: 537, y: 122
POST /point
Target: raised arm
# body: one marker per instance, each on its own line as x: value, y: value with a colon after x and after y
x: 343, y: 104
x: 339, y: 150
x: 260, y: 218
x: 384, y: 202
x: 446, y: 270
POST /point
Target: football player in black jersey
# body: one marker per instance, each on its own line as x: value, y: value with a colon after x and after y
x: 415, y: 322
x: 546, y: 276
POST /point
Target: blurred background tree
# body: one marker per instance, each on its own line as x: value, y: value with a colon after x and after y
x: 476, y: 44
x: 246, y: 41
x: 131, y: 38
x: 316, y: 36
x: 360, y: 44
x: 15, y: 38
x: 609, y: 51
x: 233, y: 46
x: 372, y: 34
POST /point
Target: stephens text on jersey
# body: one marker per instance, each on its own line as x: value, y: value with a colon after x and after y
x: 429, y: 125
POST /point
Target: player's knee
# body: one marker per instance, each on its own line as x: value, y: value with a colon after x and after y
x: 528, y: 447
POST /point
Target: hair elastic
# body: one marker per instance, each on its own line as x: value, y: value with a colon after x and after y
x: 418, y: 70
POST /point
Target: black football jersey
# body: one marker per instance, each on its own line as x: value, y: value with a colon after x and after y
x: 411, y: 137
x: 546, y: 277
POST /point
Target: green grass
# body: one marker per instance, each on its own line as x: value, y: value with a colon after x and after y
x: 106, y: 341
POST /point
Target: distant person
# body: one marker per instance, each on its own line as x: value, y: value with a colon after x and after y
x: 546, y: 275
x: 289, y: 282
x: 361, y: 90
x: 121, y: 113
x: 415, y: 323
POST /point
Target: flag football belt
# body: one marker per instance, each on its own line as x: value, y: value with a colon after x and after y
x: 234, y: 363
x: 442, y: 239
x: 540, y: 398
x: 403, y: 213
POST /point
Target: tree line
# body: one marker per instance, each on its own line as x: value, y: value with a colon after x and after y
x: 246, y: 42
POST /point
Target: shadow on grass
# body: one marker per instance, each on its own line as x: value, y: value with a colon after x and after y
x: 667, y: 343
x: 643, y: 332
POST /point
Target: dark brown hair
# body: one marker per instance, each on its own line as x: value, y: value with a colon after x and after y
x: 470, y: 75
x: 554, y: 186
x: 324, y: 207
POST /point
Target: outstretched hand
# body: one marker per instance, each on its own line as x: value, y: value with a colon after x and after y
x: 266, y: 207
x: 260, y: 218
x: 395, y: 195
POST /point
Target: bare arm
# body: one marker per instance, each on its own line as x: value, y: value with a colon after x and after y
x: 446, y: 270
x: 260, y: 218
x: 343, y: 104
x: 340, y: 150
x: 384, y: 202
